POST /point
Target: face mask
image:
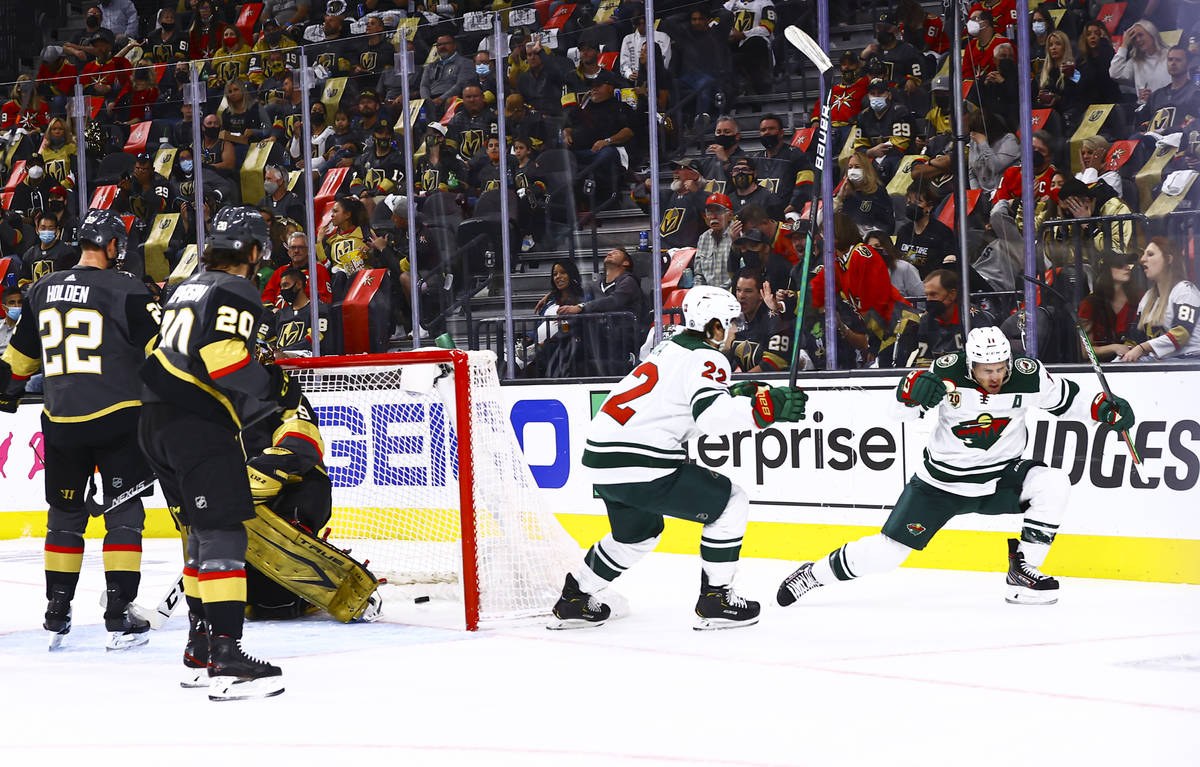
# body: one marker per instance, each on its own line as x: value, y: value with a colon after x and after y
x: 913, y: 211
x: 849, y: 75
x: 973, y: 28
x: 1039, y: 28
x: 271, y: 187
x: 1039, y: 159
x: 289, y: 294
x: 181, y: 76
x: 482, y: 70
x: 212, y: 131
x: 743, y: 180
x: 432, y: 140
x: 935, y: 308
x: 167, y: 26
x: 92, y: 22
x: 185, y: 166
x: 47, y: 237
x: 942, y: 100
x: 13, y: 312
x: 274, y: 37
x: 878, y: 103
x: 855, y: 175
x: 56, y: 142
x: 769, y: 142
x: 36, y: 172
x: 56, y: 206
x: 725, y: 142
x: 318, y: 118
x: 885, y: 38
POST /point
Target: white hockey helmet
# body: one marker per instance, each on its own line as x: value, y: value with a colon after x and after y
x: 987, y: 345
x: 705, y: 303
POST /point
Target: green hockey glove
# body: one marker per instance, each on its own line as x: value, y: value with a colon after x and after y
x: 921, y: 388
x: 1113, y: 412
x: 778, y: 403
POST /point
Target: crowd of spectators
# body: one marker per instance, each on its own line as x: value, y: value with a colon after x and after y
x: 1117, y: 131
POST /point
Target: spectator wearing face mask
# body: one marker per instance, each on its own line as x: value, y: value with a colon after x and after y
x: 782, y: 169
x: 12, y: 300
x: 33, y: 191
x: 484, y: 77
x: 898, y: 61
x: 863, y: 198
x: 978, y: 58
x: 846, y: 99
x: 439, y: 170
x: 682, y: 206
x: 885, y: 130
x: 279, y: 200
x: 215, y: 151
x: 49, y: 253
x: 746, y: 190
x: 940, y: 329
x: 924, y: 241
x: 725, y: 147
x: 290, y: 333
x: 166, y: 43
x: 144, y: 192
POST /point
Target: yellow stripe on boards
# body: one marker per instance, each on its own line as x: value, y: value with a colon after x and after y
x: 1163, y: 560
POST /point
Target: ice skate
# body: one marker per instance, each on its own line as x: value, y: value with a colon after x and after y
x: 373, y: 610
x: 58, y: 616
x: 1027, y: 585
x: 125, y: 629
x: 576, y: 610
x: 195, y: 654
x: 797, y: 585
x: 720, y: 608
x: 234, y: 675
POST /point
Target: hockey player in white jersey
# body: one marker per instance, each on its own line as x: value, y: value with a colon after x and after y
x: 973, y: 464
x: 635, y: 451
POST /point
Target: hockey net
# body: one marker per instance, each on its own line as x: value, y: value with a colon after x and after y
x: 429, y: 482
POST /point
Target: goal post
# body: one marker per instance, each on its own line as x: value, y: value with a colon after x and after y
x: 429, y: 481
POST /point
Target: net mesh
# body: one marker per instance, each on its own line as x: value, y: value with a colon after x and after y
x: 391, y: 447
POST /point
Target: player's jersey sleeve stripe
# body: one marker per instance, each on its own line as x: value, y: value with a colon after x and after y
x: 160, y: 359
x: 705, y: 391
x: 23, y: 366
x: 627, y: 447
x: 300, y: 434
x: 224, y: 357
x: 1069, y: 390
x: 700, y: 405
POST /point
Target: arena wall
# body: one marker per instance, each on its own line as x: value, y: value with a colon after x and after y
x: 832, y: 477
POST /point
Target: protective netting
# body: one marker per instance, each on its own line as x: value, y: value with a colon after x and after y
x: 391, y: 447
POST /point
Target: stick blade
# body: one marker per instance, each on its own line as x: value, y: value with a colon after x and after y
x: 808, y: 46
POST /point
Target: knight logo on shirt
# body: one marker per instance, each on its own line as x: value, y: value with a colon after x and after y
x: 670, y: 221
x: 981, y: 433
x: 1163, y: 119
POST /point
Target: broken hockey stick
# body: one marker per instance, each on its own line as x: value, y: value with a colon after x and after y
x: 1091, y: 354
x: 157, y: 615
x: 811, y: 51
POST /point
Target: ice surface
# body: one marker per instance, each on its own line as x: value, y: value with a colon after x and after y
x: 917, y: 667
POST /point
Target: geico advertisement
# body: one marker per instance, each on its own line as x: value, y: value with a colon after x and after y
x: 846, y: 463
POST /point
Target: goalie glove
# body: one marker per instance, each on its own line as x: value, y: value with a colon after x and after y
x: 778, y: 403
x: 920, y: 388
x: 1112, y: 412
x: 282, y: 389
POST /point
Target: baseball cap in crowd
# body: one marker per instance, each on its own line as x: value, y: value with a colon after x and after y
x: 437, y: 126
x: 877, y: 85
x: 885, y: 18
x: 685, y: 163
x: 751, y: 235
x: 941, y: 83
x: 716, y: 199
x: 104, y: 34
x: 604, y: 77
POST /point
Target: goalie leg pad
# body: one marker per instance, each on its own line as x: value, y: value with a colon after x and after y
x: 308, y: 567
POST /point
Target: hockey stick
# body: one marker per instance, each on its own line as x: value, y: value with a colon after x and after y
x: 809, y: 48
x: 1091, y: 353
x: 96, y: 510
x: 163, y: 610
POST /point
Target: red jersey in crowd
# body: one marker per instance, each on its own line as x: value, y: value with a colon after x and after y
x: 1004, y: 15
x: 115, y: 73
x: 864, y: 282
x: 61, y: 80
x: 270, y: 294
x: 978, y: 61
x: 845, y: 102
x: 13, y: 116
x: 1010, y: 184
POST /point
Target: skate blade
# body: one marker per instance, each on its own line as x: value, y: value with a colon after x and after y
x: 196, y: 678
x: 119, y: 640
x: 558, y: 624
x: 56, y: 640
x: 1020, y: 596
x: 235, y: 688
x: 716, y: 624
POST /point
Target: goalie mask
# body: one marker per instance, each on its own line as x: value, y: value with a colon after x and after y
x: 705, y: 303
x: 988, y: 345
x: 100, y: 227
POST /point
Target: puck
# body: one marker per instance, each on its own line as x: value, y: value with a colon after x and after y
x: 421, y: 600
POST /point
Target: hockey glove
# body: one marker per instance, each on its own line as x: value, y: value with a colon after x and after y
x: 263, y: 486
x: 778, y: 403
x: 1112, y: 412
x: 282, y: 389
x: 746, y: 388
x: 921, y: 388
x: 9, y: 402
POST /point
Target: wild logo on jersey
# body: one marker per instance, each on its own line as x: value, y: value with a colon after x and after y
x: 981, y: 433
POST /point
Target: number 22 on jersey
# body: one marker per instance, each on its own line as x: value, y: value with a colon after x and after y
x: 617, y: 405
